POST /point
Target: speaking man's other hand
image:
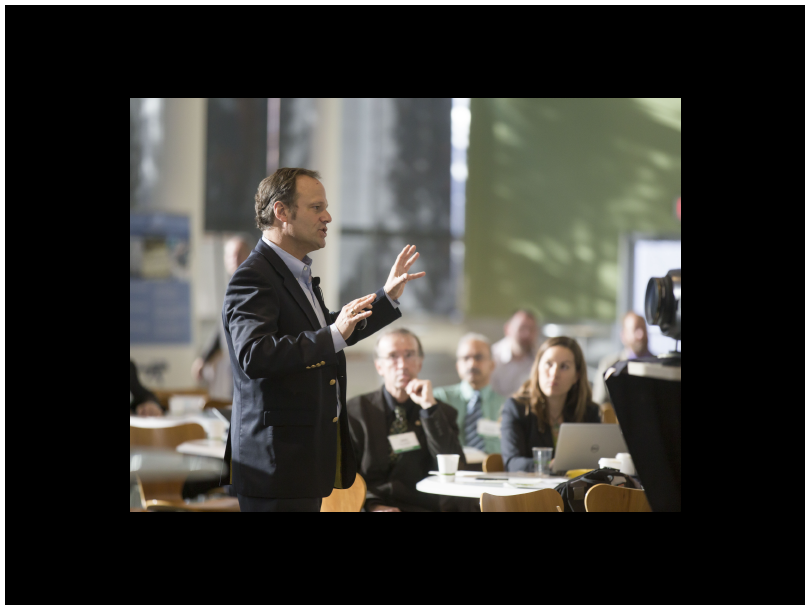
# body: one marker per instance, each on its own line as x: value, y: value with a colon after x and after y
x: 421, y: 392
x: 399, y: 275
x: 352, y: 313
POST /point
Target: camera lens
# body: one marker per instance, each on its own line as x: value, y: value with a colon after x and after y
x: 662, y: 303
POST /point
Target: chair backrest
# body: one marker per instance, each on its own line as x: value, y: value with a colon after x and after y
x: 608, y: 414
x: 610, y: 499
x: 346, y: 500
x: 167, y: 437
x: 493, y: 463
x: 540, y: 501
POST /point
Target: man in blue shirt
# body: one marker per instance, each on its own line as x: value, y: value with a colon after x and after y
x: 289, y: 444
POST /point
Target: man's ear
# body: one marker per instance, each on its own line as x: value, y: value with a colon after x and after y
x: 280, y: 211
x: 378, y: 367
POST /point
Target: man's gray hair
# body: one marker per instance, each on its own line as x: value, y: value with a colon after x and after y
x: 398, y: 331
x: 474, y: 337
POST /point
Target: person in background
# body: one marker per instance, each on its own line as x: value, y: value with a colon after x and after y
x: 513, y: 353
x: 634, y: 340
x: 404, y: 404
x: 237, y: 250
x: 474, y: 398
x: 557, y: 392
x: 142, y: 401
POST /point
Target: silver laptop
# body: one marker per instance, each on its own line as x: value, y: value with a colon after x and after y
x: 581, y: 445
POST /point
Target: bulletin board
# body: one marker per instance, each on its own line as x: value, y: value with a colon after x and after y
x: 159, y: 287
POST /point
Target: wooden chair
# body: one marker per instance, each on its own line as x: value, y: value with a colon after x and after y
x: 164, y: 494
x: 177, y: 504
x: 610, y: 499
x: 608, y: 414
x: 166, y: 437
x: 346, y: 500
x: 540, y: 501
x: 493, y: 463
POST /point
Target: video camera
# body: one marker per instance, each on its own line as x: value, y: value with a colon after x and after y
x: 662, y: 304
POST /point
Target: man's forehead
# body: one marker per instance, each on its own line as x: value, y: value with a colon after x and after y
x: 397, y: 341
x: 473, y: 346
x: 309, y: 189
x: 634, y: 321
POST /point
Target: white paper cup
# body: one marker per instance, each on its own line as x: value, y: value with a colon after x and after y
x: 610, y: 463
x: 448, y: 464
x: 627, y: 463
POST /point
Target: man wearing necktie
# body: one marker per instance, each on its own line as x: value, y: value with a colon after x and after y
x: 398, y: 430
x: 289, y: 444
x: 478, y: 405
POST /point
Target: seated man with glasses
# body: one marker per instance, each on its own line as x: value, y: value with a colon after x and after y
x: 404, y: 408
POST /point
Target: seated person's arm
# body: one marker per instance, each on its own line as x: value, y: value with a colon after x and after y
x: 440, y: 425
x: 142, y: 401
x: 515, y: 450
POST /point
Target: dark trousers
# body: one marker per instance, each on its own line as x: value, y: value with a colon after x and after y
x: 250, y: 504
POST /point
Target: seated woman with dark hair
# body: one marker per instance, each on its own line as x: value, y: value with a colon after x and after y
x: 557, y: 392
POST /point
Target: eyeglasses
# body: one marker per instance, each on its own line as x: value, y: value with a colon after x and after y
x: 392, y: 358
x: 476, y: 357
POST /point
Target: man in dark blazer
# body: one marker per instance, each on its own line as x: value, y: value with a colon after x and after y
x: 405, y: 404
x: 289, y: 443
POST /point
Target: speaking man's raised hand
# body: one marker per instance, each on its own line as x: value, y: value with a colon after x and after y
x: 399, y: 275
x: 352, y: 313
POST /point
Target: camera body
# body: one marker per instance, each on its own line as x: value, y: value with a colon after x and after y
x: 662, y: 303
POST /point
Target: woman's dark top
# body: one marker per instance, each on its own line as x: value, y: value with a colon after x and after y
x: 519, y: 433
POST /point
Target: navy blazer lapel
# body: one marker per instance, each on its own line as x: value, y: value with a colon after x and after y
x: 290, y: 283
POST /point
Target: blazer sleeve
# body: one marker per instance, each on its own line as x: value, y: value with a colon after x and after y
x: 514, y: 444
x: 378, y: 490
x: 440, y: 424
x: 382, y: 314
x: 251, y: 314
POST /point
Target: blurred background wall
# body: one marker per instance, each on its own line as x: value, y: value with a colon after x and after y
x: 553, y: 185
x: 512, y: 202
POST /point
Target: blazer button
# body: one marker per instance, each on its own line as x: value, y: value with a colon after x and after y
x: 331, y: 382
x: 334, y: 420
x: 322, y: 362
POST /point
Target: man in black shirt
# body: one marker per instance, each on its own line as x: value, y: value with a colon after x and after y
x: 422, y: 427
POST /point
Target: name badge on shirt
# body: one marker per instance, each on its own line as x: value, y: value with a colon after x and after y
x: 487, y: 427
x: 406, y: 441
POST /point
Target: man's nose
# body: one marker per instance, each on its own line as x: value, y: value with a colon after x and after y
x: 326, y: 218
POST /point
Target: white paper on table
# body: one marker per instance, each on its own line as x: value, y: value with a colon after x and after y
x: 487, y: 427
x: 473, y: 455
x: 539, y: 482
